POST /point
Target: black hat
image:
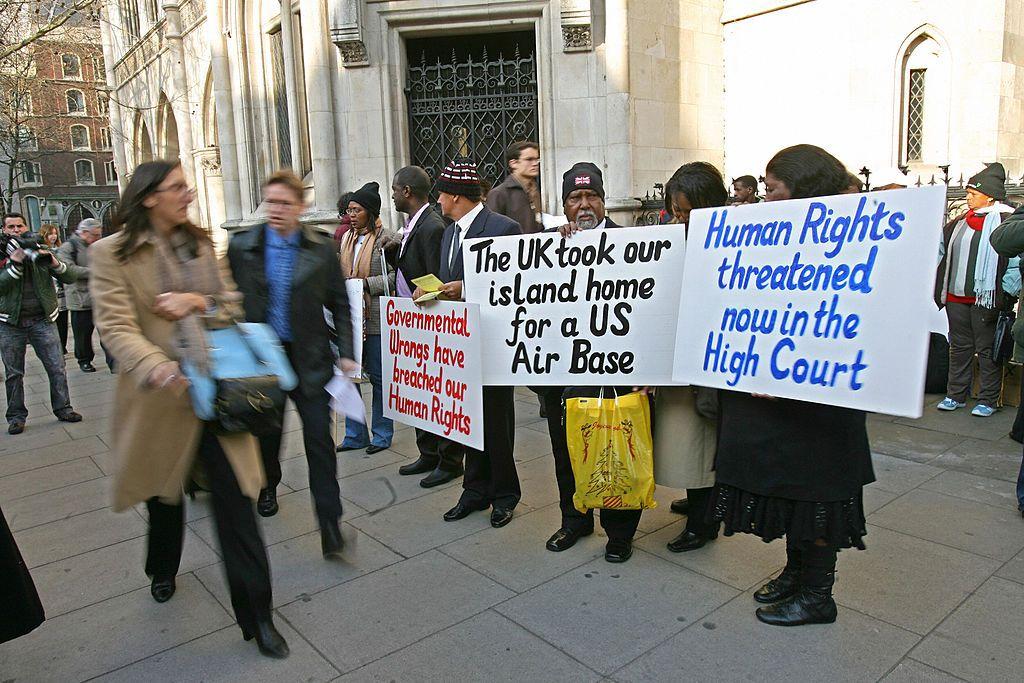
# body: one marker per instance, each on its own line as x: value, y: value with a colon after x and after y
x: 582, y: 176
x: 460, y: 177
x: 991, y: 182
x: 368, y: 197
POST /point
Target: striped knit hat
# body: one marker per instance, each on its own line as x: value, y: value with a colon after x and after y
x: 460, y: 177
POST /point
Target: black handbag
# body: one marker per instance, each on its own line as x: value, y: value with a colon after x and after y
x: 249, y: 404
x: 1002, y: 344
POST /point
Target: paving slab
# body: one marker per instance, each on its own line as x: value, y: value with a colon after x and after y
x: 111, y: 634
x: 875, y: 498
x: 538, y: 483
x: 298, y: 568
x: 730, y: 644
x: 486, y: 643
x: 48, y: 478
x: 39, y: 431
x: 383, y: 487
x: 94, y: 576
x: 532, y: 444
x: 224, y: 657
x: 13, y: 463
x: 403, y: 442
x: 909, y: 442
x: 906, y: 581
x: 515, y: 555
x: 582, y: 611
x: 980, y: 641
x: 996, y: 459
x: 1013, y: 569
x: 61, y: 503
x: 294, y: 518
x: 898, y: 475
x: 741, y: 560
x: 370, y: 617
x: 975, y: 527
x: 911, y: 671
x: 417, y: 525
x: 972, y: 487
x: 961, y: 422
x: 75, y: 535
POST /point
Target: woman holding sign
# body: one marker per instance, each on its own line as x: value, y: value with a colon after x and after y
x: 685, y: 417
x: 792, y: 468
x: 362, y: 259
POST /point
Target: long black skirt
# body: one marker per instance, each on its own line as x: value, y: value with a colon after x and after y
x: 21, y: 610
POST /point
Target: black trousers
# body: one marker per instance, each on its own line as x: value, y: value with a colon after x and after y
x: 491, y: 478
x: 238, y: 534
x: 444, y: 453
x: 697, y: 519
x: 82, y: 325
x: 618, y: 524
x: 62, y: 329
x: 315, y: 413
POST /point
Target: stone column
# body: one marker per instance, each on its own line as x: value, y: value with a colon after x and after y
x: 320, y: 106
x: 118, y: 139
x: 619, y: 155
x: 222, y: 96
x: 180, y: 104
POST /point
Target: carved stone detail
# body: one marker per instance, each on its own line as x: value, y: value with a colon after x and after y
x: 353, y: 53
x: 347, y: 32
x: 577, y: 26
x: 577, y: 38
x: 209, y: 160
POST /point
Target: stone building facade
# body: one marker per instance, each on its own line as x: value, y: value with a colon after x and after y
x: 348, y: 91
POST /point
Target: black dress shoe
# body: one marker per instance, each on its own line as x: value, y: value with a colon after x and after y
x: 268, y: 640
x: 500, y: 517
x: 689, y: 541
x: 565, y: 538
x: 16, y: 428
x: 781, y: 587
x: 266, y: 504
x: 86, y: 367
x: 618, y: 550
x: 680, y: 507
x: 371, y: 449
x: 439, y: 476
x: 421, y: 466
x: 69, y: 416
x: 807, y: 606
x: 162, y: 589
x: 461, y: 511
x: 342, y: 449
x: 331, y: 541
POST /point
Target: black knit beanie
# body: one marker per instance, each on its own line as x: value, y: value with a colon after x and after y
x: 991, y: 182
x: 582, y: 176
x: 368, y: 197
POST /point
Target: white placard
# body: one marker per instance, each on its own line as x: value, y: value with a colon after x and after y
x: 354, y: 289
x: 431, y: 362
x: 593, y: 309
x: 820, y: 299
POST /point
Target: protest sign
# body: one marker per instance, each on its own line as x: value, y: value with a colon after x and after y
x: 431, y: 363
x: 822, y: 299
x: 596, y: 308
x: 354, y: 289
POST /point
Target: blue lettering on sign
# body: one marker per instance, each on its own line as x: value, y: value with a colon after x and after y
x: 825, y: 373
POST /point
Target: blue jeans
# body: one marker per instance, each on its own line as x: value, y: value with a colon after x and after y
x: 43, y: 336
x: 356, y: 435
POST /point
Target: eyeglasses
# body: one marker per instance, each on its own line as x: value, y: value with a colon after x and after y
x: 180, y: 188
x: 353, y: 210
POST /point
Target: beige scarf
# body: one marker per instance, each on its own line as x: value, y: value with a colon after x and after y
x: 187, y: 264
x: 360, y: 268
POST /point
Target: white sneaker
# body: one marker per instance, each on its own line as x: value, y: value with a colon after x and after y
x: 982, y: 410
x: 949, y: 404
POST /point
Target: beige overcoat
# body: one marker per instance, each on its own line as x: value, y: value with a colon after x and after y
x: 684, y: 441
x: 155, y: 432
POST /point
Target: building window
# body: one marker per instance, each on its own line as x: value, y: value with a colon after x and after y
x: 24, y: 104
x: 277, y: 63
x: 103, y: 102
x: 98, y: 71
x: 32, y: 212
x: 27, y: 139
x: 76, y: 103
x: 105, y: 138
x: 915, y: 115
x: 71, y: 66
x: 130, y: 17
x: 31, y: 173
x: 152, y: 10
x: 111, y: 172
x: 80, y: 137
x: 84, y: 173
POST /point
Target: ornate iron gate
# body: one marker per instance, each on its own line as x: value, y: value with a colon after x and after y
x: 471, y: 107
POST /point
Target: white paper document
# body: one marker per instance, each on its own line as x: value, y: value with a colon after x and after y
x: 345, y: 397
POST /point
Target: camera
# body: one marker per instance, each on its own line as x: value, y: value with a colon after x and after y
x: 30, y: 243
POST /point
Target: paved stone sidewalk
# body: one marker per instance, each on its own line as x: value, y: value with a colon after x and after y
x: 939, y: 595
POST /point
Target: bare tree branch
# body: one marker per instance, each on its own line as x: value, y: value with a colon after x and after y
x: 57, y: 19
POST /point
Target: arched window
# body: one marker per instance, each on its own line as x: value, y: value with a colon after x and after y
x: 32, y: 212
x: 130, y: 20
x: 84, y: 172
x: 925, y: 86
x: 79, y: 137
x: 76, y: 102
x: 71, y: 67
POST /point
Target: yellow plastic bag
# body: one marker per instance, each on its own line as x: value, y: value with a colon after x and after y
x: 611, y: 451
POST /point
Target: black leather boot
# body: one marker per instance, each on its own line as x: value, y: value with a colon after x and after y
x: 785, y: 584
x: 268, y: 640
x: 812, y: 603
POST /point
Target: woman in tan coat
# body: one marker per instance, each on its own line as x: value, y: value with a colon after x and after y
x: 685, y: 431
x: 156, y: 285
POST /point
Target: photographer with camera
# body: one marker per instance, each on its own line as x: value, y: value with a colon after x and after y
x: 28, y: 309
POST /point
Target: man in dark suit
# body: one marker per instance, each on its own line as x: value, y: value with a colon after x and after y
x: 583, y: 202
x: 287, y: 278
x: 491, y: 480
x: 419, y: 254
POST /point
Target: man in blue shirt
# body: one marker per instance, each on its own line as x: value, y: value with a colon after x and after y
x: 288, y: 277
